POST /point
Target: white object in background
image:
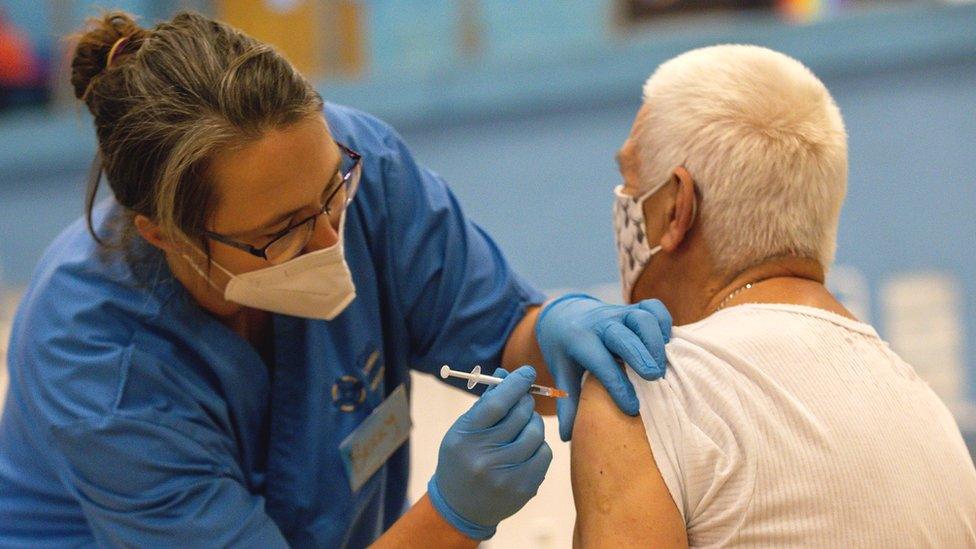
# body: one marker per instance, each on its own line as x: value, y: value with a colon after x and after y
x: 965, y: 414
x: 608, y: 292
x: 283, y: 7
x: 4, y: 335
x: 8, y: 304
x: 545, y: 522
x: 850, y: 287
x: 923, y: 323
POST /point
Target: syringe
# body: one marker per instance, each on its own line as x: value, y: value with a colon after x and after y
x: 476, y: 377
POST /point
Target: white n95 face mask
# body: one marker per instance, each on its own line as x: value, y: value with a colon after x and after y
x: 633, y: 250
x: 316, y: 285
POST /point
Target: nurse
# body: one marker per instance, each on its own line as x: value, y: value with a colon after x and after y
x: 220, y: 354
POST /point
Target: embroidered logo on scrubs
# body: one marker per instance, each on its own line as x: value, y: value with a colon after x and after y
x: 348, y: 393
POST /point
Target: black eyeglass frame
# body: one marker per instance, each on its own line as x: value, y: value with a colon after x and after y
x: 262, y: 252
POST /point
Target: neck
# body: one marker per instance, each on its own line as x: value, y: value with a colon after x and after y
x: 786, y: 274
x: 789, y: 280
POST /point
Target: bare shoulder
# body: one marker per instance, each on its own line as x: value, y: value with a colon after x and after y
x: 621, y: 498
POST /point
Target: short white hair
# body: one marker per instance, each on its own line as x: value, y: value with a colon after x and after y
x: 765, y: 144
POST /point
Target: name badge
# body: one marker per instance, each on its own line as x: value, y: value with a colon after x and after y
x: 368, y: 447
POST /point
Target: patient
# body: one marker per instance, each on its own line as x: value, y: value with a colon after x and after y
x: 782, y: 419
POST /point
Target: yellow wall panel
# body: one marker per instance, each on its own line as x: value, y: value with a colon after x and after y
x: 289, y: 26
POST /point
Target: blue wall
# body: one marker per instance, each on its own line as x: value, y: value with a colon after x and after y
x: 527, y: 142
x: 35, y: 16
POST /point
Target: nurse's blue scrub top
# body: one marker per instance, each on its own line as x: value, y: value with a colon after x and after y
x: 136, y: 419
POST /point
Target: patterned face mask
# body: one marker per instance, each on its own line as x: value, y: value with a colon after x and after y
x: 633, y: 250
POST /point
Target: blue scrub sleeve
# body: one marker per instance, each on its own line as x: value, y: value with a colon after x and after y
x: 458, y: 293
x: 146, y: 484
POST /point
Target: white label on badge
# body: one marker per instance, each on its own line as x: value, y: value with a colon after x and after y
x: 368, y: 447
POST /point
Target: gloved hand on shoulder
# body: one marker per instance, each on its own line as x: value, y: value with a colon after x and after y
x: 578, y: 333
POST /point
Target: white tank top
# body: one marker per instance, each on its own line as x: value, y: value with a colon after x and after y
x: 783, y: 425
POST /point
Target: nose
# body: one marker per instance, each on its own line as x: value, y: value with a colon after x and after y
x: 325, y: 235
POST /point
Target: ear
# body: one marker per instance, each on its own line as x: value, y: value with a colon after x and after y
x: 681, y: 215
x: 151, y: 232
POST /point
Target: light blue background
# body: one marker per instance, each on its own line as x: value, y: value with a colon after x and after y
x: 526, y: 132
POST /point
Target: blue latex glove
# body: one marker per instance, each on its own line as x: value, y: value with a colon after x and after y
x: 493, y: 459
x: 578, y: 332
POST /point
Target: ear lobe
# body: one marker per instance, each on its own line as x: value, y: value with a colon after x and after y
x: 151, y: 232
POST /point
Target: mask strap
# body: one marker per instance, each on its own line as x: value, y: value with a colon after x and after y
x: 200, y: 272
x: 640, y: 199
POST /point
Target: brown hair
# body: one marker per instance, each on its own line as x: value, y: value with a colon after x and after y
x: 172, y: 96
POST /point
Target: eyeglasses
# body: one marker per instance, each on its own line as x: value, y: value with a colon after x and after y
x: 290, y: 241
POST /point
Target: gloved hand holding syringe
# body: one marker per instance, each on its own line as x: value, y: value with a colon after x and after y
x: 476, y: 377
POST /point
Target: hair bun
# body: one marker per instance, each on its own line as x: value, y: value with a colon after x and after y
x: 93, y: 46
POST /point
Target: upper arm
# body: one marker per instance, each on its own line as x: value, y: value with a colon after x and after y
x: 621, y: 497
